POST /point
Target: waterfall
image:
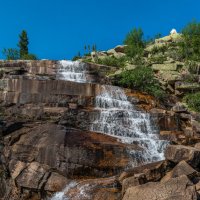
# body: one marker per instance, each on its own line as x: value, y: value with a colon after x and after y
x: 114, y: 115
x: 117, y: 117
x: 72, y: 71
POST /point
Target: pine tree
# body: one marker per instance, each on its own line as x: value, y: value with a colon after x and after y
x: 23, y: 44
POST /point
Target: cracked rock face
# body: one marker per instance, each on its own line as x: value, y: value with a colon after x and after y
x: 42, y: 157
x: 175, y: 189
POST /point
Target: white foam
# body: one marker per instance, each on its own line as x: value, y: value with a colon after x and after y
x: 71, y: 71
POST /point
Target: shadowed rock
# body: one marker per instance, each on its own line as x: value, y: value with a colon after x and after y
x: 180, y: 169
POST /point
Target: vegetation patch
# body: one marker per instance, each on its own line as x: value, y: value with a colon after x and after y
x: 193, y: 101
x: 113, y: 61
x: 141, y: 78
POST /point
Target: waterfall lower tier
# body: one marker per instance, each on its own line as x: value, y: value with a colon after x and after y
x: 72, y: 71
x: 117, y: 117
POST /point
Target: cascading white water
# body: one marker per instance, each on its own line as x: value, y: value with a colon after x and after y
x: 117, y: 117
x: 72, y: 71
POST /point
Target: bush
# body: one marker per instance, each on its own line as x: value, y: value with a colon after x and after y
x: 11, y: 54
x: 159, y: 49
x: 193, y: 101
x: 135, y: 43
x: 193, y: 67
x: 76, y: 58
x: 191, y: 42
x: 142, y: 78
x: 158, y: 59
x: 190, y: 78
x: 113, y: 61
x: 29, y: 57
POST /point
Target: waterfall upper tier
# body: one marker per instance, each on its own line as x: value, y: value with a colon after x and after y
x: 72, y: 71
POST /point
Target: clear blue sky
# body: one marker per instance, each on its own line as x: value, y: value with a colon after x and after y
x: 58, y: 29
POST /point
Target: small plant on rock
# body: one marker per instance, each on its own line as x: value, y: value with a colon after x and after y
x: 193, y: 101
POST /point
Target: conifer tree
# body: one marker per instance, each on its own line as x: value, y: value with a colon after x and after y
x: 23, y: 44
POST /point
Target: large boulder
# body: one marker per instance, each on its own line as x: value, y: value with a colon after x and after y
x: 169, y: 76
x: 135, y: 180
x: 120, y: 48
x: 186, y: 86
x: 56, y: 182
x: 174, y: 189
x: 180, y: 169
x: 179, y: 107
x: 149, y: 172
x: 177, y: 153
x: 169, y: 38
x: 34, y: 176
x: 166, y: 67
x: 196, y: 127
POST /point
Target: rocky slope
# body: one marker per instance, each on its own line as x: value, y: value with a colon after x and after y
x: 46, y: 145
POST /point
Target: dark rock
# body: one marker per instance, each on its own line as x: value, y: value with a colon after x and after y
x: 176, y: 137
x: 152, y: 171
x: 186, y: 87
x: 182, y: 168
x: 179, y: 108
x: 33, y: 177
x: 135, y: 180
x: 196, y: 126
x: 177, y: 153
x: 56, y: 182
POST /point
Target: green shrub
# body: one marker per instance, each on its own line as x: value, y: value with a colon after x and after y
x: 135, y: 43
x: 76, y: 58
x: 23, y: 44
x: 137, y: 60
x: 190, y: 78
x: 193, y: 101
x: 29, y: 57
x: 159, y: 49
x: 193, y: 67
x: 11, y: 54
x: 158, y: 59
x: 142, y: 78
x: 189, y: 47
x: 112, y: 61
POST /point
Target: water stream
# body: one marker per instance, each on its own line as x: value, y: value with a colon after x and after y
x: 72, y: 71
